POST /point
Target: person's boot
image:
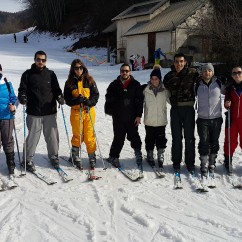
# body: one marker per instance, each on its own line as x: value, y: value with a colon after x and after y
x: 160, y: 157
x: 211, y: 164
x: 76, y: 158
x: 138, y: 156
x: 29, y: 166
x: 204, y: 166
x: 55, y: 162
x: 150, y: 158
x: 114, y: 161
x: 10, y: 162
x: 228, y: 165
x: 92, y: 160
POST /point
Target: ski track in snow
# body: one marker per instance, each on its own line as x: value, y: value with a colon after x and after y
x: 112, y: 209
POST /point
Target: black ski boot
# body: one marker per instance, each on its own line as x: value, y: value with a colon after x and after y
x: 114, y: 161
x: 76, y: 158
x: 228, y: 165
x: 92, y: 160
x: 55, y: 162
x: 160, y: 157
x: 138, y: 155
x: 10, y: 162
x: 204, y: 166
x: 150, y: 158
x: 29, y: 166
x: 211, y: 164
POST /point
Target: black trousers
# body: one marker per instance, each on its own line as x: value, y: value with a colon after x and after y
x: 120, y: 130
x: 183, y: 123
x: 209, y: 132
x: 155, y: 136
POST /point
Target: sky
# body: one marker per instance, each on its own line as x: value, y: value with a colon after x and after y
x: 11, y: 5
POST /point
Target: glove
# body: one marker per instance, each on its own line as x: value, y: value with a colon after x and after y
x: 61, y: 100
x: 22, y: 99
x: 81, y: 99
x: 87, y: 102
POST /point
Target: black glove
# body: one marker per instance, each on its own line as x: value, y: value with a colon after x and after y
x: 22, y: 99
x: 81, y: 99
x: 61, y: 100
x: 87, y: 102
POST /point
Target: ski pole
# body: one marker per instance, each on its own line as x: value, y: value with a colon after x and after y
x: 229, y: 138
x: 25, y: 155
x: 67, y: 136
x: 88, y: 109
x: 16, y: 139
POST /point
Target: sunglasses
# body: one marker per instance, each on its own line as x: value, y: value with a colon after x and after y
x: 76, y: 68
x: 236, y: 73
x: 125, y: 71
x: 40, y: 60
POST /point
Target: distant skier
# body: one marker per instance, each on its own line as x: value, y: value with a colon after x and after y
x: 15, y: 37
x: 157, y: 54
x: 7, y: 111
x: 25, y: 39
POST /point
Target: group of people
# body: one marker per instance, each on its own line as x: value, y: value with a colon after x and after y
x: 25, y: 39
x: 126, y: 100
x: 39, y: 92
x: 181, y: 87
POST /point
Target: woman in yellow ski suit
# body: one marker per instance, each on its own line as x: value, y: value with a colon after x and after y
x: 81, y: 94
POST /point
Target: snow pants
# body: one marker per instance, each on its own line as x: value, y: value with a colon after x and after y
x: 35, y: 124
x: 155, y: 136
x: 209, y: 132
x: 120, y: 129
x: 6, y: 135
x: 183, y: 122
x: 235, y: 131
x: 82, y: 122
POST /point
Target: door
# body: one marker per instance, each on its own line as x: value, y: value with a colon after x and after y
x: 151, y: 47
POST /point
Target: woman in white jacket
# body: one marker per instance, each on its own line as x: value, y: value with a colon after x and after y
x: 155, y: 117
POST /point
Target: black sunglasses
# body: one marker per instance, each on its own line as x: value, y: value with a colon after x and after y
x: 76, y: 68
x: 123, y: 71
x: 236, y: 73
x: 40, y: 60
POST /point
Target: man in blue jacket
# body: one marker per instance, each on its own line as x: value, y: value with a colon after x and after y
x: 39, y: 90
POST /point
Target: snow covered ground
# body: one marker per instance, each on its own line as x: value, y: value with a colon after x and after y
x: 112, y: 208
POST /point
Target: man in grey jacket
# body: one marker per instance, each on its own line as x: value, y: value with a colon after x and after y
x: 209, y: 122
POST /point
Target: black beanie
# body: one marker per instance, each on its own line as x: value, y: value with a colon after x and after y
x: 156, y: 72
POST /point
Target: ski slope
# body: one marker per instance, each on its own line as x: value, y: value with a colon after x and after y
x: 111, y: 209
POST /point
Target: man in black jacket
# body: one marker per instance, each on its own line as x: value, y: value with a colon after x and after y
x: 180, y: 83
x: 39, y: 90
x: 124, y: 102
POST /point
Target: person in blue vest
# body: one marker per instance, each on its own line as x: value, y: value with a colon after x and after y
x: 7, y: 111
x: 157, y: 54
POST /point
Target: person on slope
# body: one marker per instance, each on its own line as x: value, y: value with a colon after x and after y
x: 208, y: 91
x: 155, y: 117
x: 124, y: 102
x: 180, y: 82
x: 39, y: 90
x: 233, y: 102
x: 7, y: 111
x: 81, y: 94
